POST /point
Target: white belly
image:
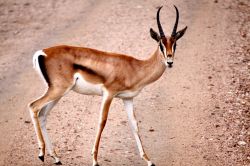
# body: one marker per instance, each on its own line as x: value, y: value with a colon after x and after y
x: 128, y: 94
x: 84, y: 87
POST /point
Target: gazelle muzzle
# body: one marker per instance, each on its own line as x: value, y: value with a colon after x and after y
x: 169, y: 61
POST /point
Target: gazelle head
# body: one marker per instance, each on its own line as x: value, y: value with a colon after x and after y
x: 167, y: 44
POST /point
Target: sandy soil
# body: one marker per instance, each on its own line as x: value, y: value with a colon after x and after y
x: 196, y: 114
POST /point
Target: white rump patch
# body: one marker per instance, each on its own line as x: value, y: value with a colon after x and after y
x: 84, y: 87
x: 36, y: 63
x: 35, y: 58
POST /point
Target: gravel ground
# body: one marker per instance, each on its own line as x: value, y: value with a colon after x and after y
x: 196, y: 114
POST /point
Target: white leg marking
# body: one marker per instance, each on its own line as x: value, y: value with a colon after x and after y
x: 43, y: 121
x: 128, y: 104
x: 133, y: 123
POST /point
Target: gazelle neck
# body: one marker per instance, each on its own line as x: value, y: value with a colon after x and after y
x: 154, y: 66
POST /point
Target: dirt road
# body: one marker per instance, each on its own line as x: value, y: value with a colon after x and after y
x: 182, y: 116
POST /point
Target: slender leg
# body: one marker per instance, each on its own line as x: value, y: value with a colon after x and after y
x: 107, y: 99
x: 128, y: 104
x: 35, y: 107
x: 43, y: 120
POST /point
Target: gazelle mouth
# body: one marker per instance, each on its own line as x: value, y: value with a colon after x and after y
x: 170, y: 65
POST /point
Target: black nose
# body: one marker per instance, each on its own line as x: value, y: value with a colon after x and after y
x: 170, y: 63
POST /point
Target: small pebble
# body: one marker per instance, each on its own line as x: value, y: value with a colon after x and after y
x: 242, y: 143
x: 151, y: 130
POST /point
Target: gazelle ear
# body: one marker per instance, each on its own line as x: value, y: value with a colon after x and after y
x: 154, y: 35
x: 180, y: 33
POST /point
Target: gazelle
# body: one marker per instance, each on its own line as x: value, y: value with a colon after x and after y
x: 92, y: 72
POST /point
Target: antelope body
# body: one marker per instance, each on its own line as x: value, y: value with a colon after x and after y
x: 93, y: 72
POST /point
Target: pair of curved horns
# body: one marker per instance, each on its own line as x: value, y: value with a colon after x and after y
x: 159, y: 23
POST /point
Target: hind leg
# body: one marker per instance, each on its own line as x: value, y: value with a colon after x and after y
x: 43, y: 121
x: 51, y: 95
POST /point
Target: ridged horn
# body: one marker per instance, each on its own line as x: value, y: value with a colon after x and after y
x: 159, y: 23
x: 176, y: 21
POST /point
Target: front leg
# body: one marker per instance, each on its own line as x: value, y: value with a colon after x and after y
x: 107, y: 99
x: 128, y: 104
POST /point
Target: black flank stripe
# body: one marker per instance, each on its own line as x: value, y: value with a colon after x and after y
x: 83, y: 68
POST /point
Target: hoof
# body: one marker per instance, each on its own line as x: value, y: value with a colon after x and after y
x: 41, y: 158
x: 58, y: 163
x: 95, y: 164
x: 152, y: 164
